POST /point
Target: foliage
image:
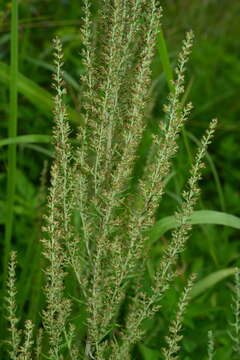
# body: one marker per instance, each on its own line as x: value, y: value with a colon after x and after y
x: 82, y: 177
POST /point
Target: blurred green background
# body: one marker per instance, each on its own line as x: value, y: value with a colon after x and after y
x: 213, y: 83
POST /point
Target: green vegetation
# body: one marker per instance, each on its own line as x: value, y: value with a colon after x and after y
x: 12, y: 132
x: 99, y: 266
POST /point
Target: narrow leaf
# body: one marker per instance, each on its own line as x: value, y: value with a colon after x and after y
x: 198, y: 217
x: 210, y: 280
x: 164, y: 57
x: 23, y: 139
x: 38, y: 96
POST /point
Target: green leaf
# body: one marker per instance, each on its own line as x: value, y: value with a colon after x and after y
x: 148, y: 354
x: 30, y: 140
x: 67, y: 77
x: 198, y: 217
x: 12, y: 131
x: 164, y: 57
x: 23, y: 139
x: 46, y: 357
x: 210, y: 280
x: 38, y: 96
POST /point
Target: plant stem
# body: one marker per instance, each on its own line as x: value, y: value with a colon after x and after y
x: 12, y: 132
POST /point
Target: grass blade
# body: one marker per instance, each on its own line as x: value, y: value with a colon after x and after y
x: 198, y: 217
x: 210, y: 280
x: 32, y: 138
x: 23, y: 139
x: 66, y: 76
x: 38, y: 96
x: 12, y: 132
x: 164, y: 57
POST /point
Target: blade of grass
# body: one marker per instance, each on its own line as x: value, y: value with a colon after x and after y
x: 28, y: 139
x: 210, y: 280
x: 38, y: 96
x: 12, y: 132
x: 148, y: 354
x: 67, y: 77
x: 23, y: 139
x: 164, y: 57
x: 198, y: 217
x: 40, y: 149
